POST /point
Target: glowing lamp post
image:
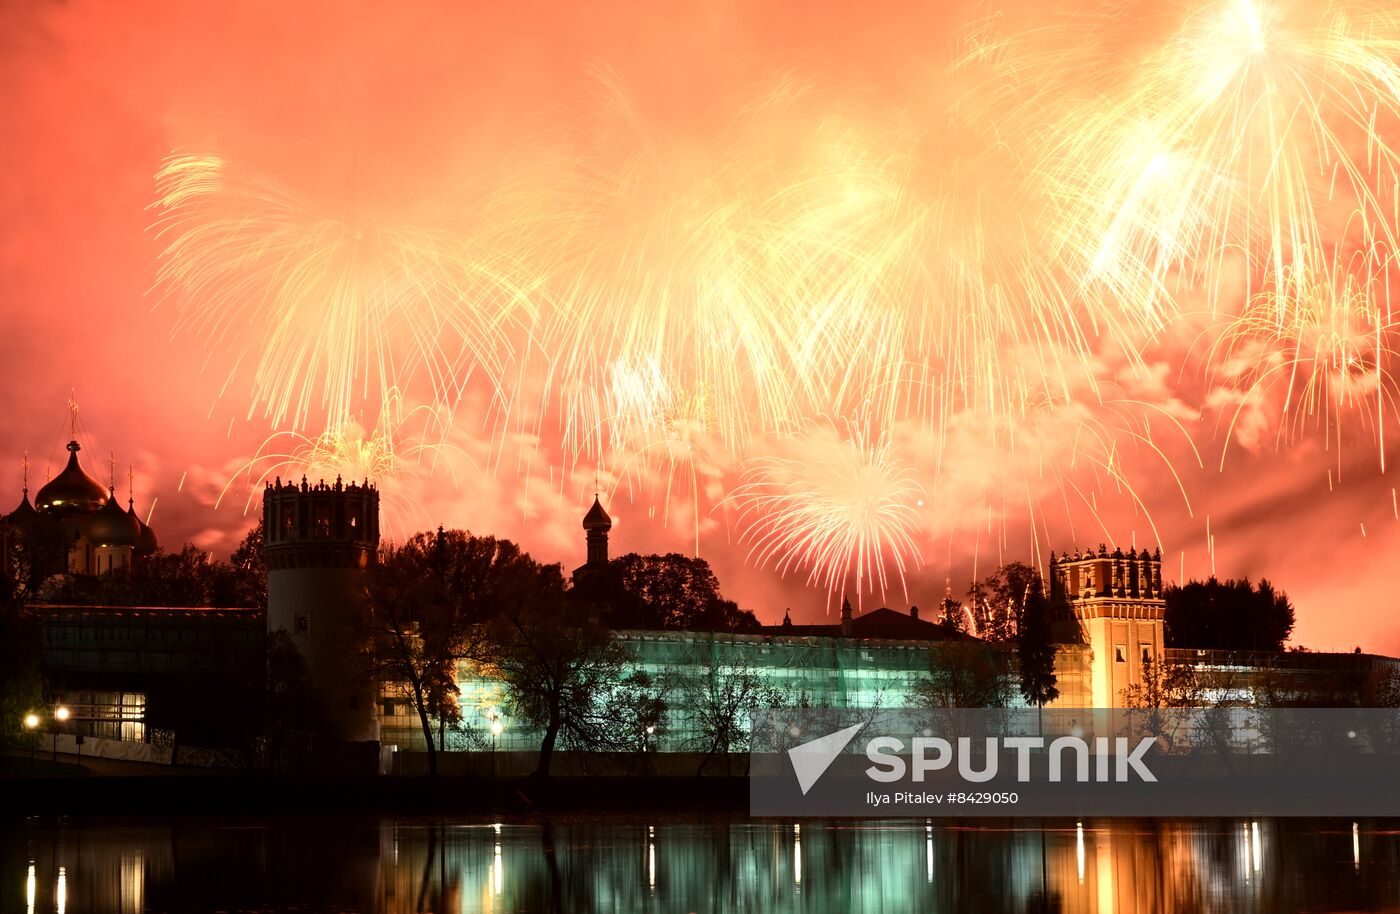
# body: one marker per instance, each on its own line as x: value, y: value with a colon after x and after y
x: 31, y: 723
x: 496, y: 727
x: 60, y: 715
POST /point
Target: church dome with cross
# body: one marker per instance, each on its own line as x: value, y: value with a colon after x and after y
x: 72, y: 492
x: 78, y: 519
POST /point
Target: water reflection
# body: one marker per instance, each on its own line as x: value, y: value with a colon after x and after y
x: 580, y: 865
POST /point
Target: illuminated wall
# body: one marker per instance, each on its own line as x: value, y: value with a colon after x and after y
x: 817, y: 671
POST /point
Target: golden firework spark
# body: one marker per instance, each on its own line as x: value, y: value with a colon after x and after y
x: 845, y: 510
x: 1324, y: 352
x: 386, y: 455
x: 1055, y: 195
x: 1254, y: 143
x: 331, y: 309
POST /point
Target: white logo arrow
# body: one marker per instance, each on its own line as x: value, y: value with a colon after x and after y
x: 810, y: 760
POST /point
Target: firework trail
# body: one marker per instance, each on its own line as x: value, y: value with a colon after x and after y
x: 1253, y: 140
x: 870, y: 264
x: 387, y: 455
x: 1324, y: 355
x: 331, y: 310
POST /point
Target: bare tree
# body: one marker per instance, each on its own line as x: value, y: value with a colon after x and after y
x: 557, y: 674
x: 1165, y: 685
x: 965, y: 674
x: 722, y: 698
x: 434, y: 599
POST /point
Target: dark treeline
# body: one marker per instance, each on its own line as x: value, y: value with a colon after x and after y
x: 1228, y: 615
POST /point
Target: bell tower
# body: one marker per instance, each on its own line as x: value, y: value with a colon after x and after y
x: 596, y: 524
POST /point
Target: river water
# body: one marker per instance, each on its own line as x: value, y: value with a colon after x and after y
x: 671, y: 865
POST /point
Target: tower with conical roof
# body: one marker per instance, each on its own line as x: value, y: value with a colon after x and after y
x: 596, y: 525
x: 589, y: 575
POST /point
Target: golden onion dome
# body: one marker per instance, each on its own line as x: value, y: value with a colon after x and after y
x: 111, y: 526
x: 73, y: 491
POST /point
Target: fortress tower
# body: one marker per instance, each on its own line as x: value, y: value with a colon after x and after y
x: 1117, y: 600
x: 319, y: 542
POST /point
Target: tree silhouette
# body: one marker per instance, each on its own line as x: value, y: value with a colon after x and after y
x: 721, y: 698
x: 1035, y: 648
x: 1228, y: 615
x: 965, y: 674
x: 952, y: 614
x: 246, y: 583
x: 433, y: 600
x: 668, y: 591
x: 999, y: 599
x: 1165, y: 685
x: 558, y: 673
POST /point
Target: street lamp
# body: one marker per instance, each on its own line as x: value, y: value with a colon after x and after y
x: 60, y: 714
x: 494, y: 716
x: 31, y: 723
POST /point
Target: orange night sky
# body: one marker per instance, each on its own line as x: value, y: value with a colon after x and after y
x: 706, y: 251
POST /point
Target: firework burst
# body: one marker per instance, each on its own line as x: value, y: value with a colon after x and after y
x: 998, y: 250
x: 1255, y: 142
x: 845, y: 509
x: 332, y: 310
x: 1324, y: 354
x: 389, y: 455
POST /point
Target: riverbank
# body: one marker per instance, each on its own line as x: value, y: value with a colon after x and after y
x: 67, y: 788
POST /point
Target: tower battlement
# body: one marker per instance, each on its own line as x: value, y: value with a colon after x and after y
x: 321, y: 524
x: 1116, y: 598
x: 1107, y: 584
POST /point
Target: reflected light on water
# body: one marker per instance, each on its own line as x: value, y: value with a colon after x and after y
x: 590, y: 866
x: 133, y: 882
x: 497, y: 867
x: 797, y: 855
x: 928, y: 854
x: 1245, y: 855
x: 1103, y: 870
x: 1079, y: 849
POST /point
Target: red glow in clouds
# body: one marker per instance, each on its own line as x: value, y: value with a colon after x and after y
x: 810, y: 291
